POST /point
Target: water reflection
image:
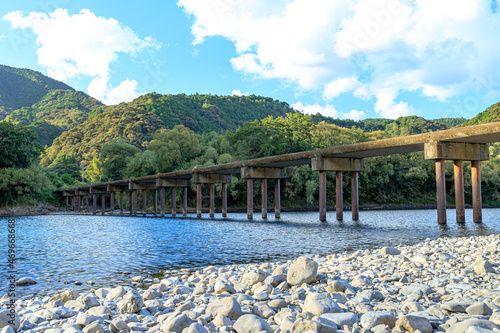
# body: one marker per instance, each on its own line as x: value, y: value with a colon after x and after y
x: 54, y: 249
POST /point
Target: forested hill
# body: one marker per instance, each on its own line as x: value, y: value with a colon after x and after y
x: 23, y: 87
x: 489, y: 115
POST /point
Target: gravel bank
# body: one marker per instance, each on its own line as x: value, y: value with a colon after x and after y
x: 449, y: 285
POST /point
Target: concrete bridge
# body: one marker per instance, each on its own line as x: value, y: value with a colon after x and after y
x: 459, y: 145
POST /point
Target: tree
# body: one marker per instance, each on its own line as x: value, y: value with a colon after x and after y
x: 66, y: 164
x: 18, y: 146
x: 142, y: 164
x: 114, y: 156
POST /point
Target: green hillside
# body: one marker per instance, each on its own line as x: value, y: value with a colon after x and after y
x: 20, y: 87
x: 489, y: 115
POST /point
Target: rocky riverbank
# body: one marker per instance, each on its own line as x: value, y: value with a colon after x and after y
x: 448, y: 285
x: 27, y: 210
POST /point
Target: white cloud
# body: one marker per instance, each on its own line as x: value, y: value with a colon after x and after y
x: 327, y: 110
x: 354, y: 115
x: 238, y: 92
x: 337, y: 87
x: 438, y: 49
x: 82, y: 44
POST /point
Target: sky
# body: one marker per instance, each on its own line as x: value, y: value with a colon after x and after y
x: 352, y: 59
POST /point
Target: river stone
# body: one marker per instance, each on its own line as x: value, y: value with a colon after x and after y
x: 87, y: 301
x: 223, y: 287
x: 390, y: 251
x: 303, y: 270
x: 414, y: 323
x: 8, y: 318
x: 196, y: 328
x: 84, y: 319
x: 305, y: 325
x: 176, y: 323
x: 479, y: 309
x: 361, y: 281
x: 263, y: 310
x: 95, y: 327
x: 8, y: 329
x: 474, y: 329
x: 495, y: 318
x: 66, y: 295
x: 251, y: 278
x: 100, y: 311
x: 221, y: 320
x: 118, y: 325
x: 131, y: 303
x: 341, y: 319
x: 251, y: 323
x: 46, y: 314
x: 455, y: 306
x: 25, y: 281
x: 408, y: 290
x: 317, y: 304
x: 408, y: 307
x: 373, y: 318
x: 227, y: 306
x: 116, y: 292
x: 275, y: 280
x: 462, y: 326
x: 482, y: 266
x: 64, y: 312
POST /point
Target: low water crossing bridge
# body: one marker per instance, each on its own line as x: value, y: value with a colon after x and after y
x: 458, y: 144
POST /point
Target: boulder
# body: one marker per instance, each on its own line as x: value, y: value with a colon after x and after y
x: 65, y: 296
x: 317, y: 304
x: 462, y: 326
x: 392, y: 251
x: 227, y: 306
x: 342, y: 319
x: 479, y: 309
x: 176, y: 323
x: 373, y: 318
x: 116, y: 292
x: 131, y: 303
x: 9, y: 317
x: 305, y: 325
x: 251, y: 323
x: 482, y: 266
x: 303, y: 270
x: 414, y: 323
x: 25, y: 281
x: 251, y: 278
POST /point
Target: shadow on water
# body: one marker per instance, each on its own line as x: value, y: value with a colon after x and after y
x: 54, y: 249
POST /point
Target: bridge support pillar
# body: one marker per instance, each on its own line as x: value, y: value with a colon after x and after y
x: 87, y: 203
x: 277, y: 199
x: 354, y: 196
x: 79, y: 209
x: 73, y: 203
x: 134, y: 202
x: 224, y: 200
x: 250, y: 198
x: 162, y: 202
x: 121, y: 202
x: 112, y: 203
x: 66, y: 203
x: 459, y: 190
x: 441, y: 191
x: 339, y: 196
x: 263, y: 190
x: 458, y: 152
x: 198, y: 200
x: 131, y: 203
x: 476, y: 191
x: 103, y: 203
x: 212, y: 200
x: 94, y: 204
x: 155, y: 202
x: 184, y: 200
x: 174, y: 202
x: 323, y: 164
x: 144, y: 202
x: 322, y: 196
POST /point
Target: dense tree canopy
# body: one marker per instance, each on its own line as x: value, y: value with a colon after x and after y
x: 18, y: 146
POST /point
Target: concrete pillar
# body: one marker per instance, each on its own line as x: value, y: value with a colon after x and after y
x: 184, y: 200
x: 322, y: 196
x: 66, y: 202
x: 94, y: 204
x: 73, y: 203
x: 134, y: 202
x: 131, y: 199
x: 198, y: 200
x: 112, y: 203
x: 224, y: 200
x: 354, y: 195
x: 155, y: 202
x: 174, y: 201
x: 103, y: 203
x: 476, y: 191
x: 79, y: 207
x: 459, y: 190
x: 121, y: 202
x: 263, y: 190
x: 212, y: 200
x: 277, y: 201
x: 87, y: 203
x: 162, y: 202
x: 250, y: 198
x: 339, y: 195
x: 441, y: 191
x: 144, y: 202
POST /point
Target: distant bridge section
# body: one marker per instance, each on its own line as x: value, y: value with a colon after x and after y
x: 458, y: 144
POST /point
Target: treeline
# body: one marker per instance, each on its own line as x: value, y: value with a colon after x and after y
x: 404, y: 179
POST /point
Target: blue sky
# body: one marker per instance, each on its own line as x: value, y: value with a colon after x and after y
x: 346, y: 59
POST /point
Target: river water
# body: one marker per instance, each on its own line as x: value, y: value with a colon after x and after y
x: 54, y: 249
